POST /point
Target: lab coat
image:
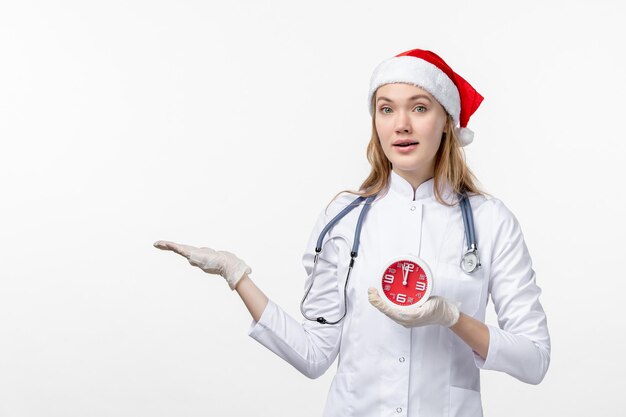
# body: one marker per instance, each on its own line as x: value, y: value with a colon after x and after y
x: 385, y: 369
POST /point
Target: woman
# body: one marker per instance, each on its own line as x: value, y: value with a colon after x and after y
x: 424, y: 362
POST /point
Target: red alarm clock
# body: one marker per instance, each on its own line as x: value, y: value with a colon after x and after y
x: 405, y: 282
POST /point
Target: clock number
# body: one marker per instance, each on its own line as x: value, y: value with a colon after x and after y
x: 388, y: 279
x: 401, y: 298
x: 420, y: 286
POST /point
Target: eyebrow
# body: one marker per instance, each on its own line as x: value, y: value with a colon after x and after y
x: 415, y: 97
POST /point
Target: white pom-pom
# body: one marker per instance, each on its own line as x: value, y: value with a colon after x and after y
x: 465, y: 135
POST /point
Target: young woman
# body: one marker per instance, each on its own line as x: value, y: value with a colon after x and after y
x: 423, y: 361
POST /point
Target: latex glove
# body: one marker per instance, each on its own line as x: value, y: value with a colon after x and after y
x: 220, y: 262
x: 437, y: 310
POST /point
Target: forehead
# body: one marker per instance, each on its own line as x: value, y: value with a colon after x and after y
x: 401, y: 91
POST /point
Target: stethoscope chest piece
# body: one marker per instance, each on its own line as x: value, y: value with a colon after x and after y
x: 470, y: 262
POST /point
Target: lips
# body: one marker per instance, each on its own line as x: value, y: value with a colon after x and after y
x: 405, y: 142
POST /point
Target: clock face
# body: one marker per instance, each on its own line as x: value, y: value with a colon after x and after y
x: 405, y: 281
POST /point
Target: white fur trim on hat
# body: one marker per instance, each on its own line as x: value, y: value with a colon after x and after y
x: 465, y: 135
x: 416, y: 71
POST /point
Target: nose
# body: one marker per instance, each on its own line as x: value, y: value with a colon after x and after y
x: 403, y: 122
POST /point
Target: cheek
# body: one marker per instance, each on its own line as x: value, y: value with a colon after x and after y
x: 433, y: 130
x: 381, y: 134
x: 383, y: 130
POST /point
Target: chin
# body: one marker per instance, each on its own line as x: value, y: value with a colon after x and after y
x: 406, y: 165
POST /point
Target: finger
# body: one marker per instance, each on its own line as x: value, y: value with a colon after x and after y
x: 179, y: 248
x: 439, y: 299
x: 164, y: 244
x: 160, y: 244
x: 410, y: 314
x: 375, y: 300
x: 435, y: 303
x: 373, y: 296
x: 434, y: 298
x: 184, y: 250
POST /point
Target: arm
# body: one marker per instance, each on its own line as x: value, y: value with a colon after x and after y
x: 473, y: 332
x: 438, y: 310
x: 520, y: 345
x: 308, y: 346
x: 254, y: 299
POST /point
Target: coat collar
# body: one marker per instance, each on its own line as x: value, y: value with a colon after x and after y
x: 403, y: 189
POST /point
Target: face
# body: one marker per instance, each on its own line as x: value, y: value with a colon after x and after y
x: 404, y: 111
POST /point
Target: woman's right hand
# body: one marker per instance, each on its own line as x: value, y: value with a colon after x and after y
x: 223, y: 263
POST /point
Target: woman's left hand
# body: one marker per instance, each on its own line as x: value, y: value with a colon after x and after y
x: 437, y: 310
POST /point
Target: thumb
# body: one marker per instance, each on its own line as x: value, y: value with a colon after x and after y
x: 373, y: 296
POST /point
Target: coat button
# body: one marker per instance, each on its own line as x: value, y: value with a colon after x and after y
x: 398, y: 410
x: 412, y: 208
x: 401, y: 359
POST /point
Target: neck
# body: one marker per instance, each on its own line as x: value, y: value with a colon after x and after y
x: 416, y: 177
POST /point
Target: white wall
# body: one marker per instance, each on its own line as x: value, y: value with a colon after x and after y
x: 230, y: 125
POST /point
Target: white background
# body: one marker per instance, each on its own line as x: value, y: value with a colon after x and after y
x: 231, y: 125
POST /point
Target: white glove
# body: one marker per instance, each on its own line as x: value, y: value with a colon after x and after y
x: 437, y: 310
x: 220, y: 262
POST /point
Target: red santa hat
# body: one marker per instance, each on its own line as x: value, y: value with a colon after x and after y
x: 427, y: 70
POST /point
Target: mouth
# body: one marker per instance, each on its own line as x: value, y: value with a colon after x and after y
x: 406, y: 144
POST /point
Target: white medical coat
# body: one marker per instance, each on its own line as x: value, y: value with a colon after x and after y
x: 385, y: 369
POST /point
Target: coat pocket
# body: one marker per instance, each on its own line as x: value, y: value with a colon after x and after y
x: 465, y: 403
x: 340, y: 396
x: 452, y: 282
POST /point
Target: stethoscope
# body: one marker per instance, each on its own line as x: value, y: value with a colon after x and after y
x: 469, y: 260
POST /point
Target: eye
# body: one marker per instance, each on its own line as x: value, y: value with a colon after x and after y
x: 421, y: 109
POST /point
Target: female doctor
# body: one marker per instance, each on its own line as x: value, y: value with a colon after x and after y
x: 425, y: 361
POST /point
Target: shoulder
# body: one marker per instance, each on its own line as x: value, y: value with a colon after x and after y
x: 331, y: 208
x: 492, y: 214
x: 501, y: 212
x: 339, y: 203
x: 505, y: 226
x: 491, y: 208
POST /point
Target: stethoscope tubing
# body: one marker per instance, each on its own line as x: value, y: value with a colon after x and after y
x: 468, y: 221
x: 353, y: 253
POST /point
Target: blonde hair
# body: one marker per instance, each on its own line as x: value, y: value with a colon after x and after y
x: 450, y: 166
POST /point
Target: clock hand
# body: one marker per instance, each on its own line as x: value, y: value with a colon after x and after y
x: 405, y: 268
